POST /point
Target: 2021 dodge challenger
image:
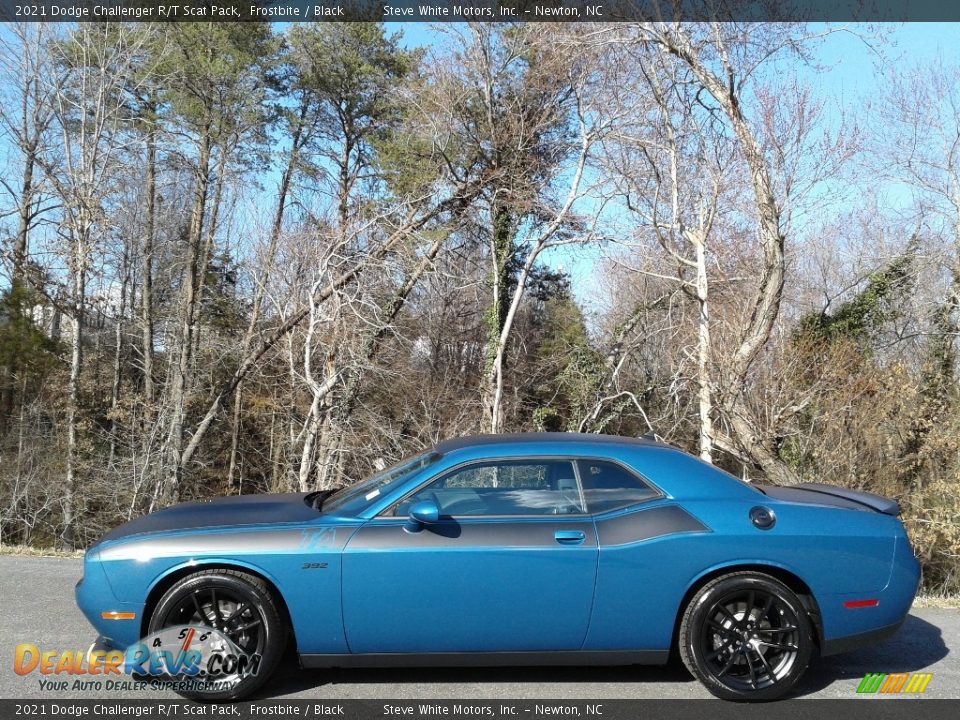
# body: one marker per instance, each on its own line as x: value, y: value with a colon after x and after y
x: 551, y: 548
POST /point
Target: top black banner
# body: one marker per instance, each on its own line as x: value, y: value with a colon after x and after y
x: 480, y: 10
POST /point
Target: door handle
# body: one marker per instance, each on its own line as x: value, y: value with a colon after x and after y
x: 569, y: 537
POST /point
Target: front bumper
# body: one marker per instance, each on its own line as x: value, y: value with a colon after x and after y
x: 95, y: 596
x: 102, y: 645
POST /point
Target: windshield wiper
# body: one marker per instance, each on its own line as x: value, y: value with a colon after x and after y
x: 316, y: 499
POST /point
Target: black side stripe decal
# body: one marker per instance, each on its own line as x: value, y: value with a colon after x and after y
x: 646, y: 525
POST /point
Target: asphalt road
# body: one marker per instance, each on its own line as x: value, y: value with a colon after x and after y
x: 36, y: 597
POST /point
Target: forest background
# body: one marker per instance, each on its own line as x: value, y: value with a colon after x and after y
x: 247, y: 257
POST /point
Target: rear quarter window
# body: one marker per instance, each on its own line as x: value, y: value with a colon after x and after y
x: 610, y: 486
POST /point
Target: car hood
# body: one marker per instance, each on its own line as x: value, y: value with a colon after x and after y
x: 820, y: 494
x: 233, y: 511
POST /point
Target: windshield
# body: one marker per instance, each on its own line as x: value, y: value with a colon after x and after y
x: 354, y: 498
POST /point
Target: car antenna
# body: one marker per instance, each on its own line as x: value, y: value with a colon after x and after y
x: 653, y: 437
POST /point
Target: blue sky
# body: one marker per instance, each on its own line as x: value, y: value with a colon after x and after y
x: 855, y: 71
x: 852, y: 65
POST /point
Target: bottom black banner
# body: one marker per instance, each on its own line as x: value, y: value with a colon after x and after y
x: 859, y: 708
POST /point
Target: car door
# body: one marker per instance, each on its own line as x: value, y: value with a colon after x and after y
x: 509, y: 566
x: 644, y: 558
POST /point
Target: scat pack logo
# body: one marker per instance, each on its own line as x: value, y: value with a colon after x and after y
x: 187, y: 651
x: 894, y: 683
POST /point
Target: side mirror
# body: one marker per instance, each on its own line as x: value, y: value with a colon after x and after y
x: 422, y: 513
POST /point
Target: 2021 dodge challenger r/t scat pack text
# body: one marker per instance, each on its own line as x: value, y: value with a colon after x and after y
x: 521, y: 549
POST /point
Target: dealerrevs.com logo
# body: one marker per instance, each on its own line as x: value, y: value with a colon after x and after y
x: 191, y: 658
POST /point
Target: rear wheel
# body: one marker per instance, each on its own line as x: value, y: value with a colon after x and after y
x: 746, y: 636
x: 238, y: 606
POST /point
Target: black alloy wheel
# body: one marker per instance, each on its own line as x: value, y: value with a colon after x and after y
x: 238, y: 605
x: 746, y: 636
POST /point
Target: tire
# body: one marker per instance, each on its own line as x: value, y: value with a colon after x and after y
x: 746, y: 637
x: 258, y: 628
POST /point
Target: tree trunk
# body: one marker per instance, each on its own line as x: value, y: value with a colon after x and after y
x: 180, y: 368
x: 330, y: 454
x: 317, y: 415
x: 501, y: 244
x: 118, y: 358
x: 320, y: 437
x: 759, y: 448
x: 496, y: 408
x: 951, y: 324
x: 18, y: 280
x: 21, y: 244
x: 78, y: 271
x: 206, y: 253
x: 146, y: 273
x: 317, y: 435
x: 260, y: 290
x: 766, y: 306
x: 704, y: 395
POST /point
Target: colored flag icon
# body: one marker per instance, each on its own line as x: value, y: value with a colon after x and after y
x: 894, y: 683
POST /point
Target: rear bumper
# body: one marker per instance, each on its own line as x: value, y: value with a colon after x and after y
x: 855, y: 642
x: 850, y: 628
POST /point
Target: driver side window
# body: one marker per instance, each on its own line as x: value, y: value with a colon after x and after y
x: 506, y: 487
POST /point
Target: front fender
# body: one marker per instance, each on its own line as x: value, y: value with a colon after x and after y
x: 302, y: 564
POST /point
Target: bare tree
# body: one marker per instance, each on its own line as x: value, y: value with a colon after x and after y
x: 302, y: 128
x: 920, y: 146
x: 26, y: 115
x: 722, y: 59
x: 670, y: 163
x: 81, y: 169
x: 520, y: 94
x: 216, y: 107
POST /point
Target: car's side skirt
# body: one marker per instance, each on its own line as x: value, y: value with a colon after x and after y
x: 487, y: 659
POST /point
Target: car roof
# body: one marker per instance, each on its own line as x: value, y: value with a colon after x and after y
x: 471, y: 441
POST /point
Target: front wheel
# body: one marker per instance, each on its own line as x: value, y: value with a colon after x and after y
x: 243, y: 613
x: 746, y: 636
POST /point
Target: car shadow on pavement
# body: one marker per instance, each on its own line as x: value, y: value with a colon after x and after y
x: 290, y: 679
x: 916, y: 646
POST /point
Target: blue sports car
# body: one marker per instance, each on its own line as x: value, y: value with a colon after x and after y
x: 551, y: 548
